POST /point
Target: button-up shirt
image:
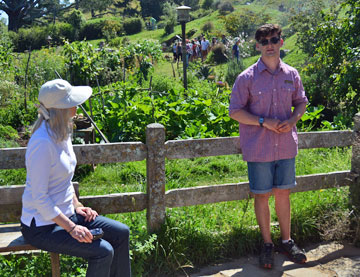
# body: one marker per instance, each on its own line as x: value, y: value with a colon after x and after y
x: 50, y: 167
x: 267, y: 94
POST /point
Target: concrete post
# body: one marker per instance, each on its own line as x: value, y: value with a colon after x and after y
x: 155, y: 176
x: 355, y: 172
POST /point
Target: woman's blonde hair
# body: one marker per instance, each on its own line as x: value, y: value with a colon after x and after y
x: 60, y: 124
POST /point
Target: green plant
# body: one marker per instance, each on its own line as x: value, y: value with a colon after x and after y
x: 218, y: 54
x: 234, y: 68
x: 208, y: 27
x: 133, y: 25
x: 81, y: 60
x: 225, y: 8
x: 111, y: 29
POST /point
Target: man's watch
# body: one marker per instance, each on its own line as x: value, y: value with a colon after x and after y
x: 261, y: 121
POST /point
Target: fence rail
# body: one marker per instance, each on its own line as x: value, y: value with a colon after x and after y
x: 156, y: 151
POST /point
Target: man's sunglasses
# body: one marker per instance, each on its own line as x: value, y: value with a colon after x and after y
x: 273, y: 40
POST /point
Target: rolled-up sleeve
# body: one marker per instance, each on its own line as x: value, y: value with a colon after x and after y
x: 38, y: 165
x: 298, y: 96
x: 239, y: 94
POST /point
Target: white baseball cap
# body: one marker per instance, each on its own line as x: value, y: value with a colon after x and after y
x: 60, y: 94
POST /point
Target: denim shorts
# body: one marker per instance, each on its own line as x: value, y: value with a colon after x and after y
x: 264, y: 176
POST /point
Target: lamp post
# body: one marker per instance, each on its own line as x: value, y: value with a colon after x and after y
x: 183, y: 17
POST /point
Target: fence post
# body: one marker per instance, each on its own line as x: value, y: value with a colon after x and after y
x: 155, y: 176
x: 355, y: 171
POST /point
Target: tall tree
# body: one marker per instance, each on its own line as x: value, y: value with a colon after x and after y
x: 128, y: 7
x: 152, y: 8
x: 95, y: 5
x: 23, y: 12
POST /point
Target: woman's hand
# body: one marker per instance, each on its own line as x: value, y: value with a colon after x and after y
x: 87, y: 212
x: 81, y: 234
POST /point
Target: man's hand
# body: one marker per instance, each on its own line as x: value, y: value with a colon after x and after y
x: 272, y: 124
x: 87, y: 212
x: 286, y: 126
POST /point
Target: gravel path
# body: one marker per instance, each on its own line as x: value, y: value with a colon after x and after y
x: 324, y: 260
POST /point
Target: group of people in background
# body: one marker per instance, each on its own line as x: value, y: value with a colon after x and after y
x: 200, y: 47
x: 196, y: 48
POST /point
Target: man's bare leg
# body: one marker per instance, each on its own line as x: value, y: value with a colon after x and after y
x: 262, y: 212
x: 282, y: 208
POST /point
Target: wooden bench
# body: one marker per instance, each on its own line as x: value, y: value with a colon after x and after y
x: 11, y: 239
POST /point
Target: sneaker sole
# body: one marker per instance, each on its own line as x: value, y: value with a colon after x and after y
x: 292, y: 259
x: 267, y: 266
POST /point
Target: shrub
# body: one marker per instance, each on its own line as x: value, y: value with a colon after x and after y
x: 111, y: 29
x: 218, y: 53
x: 61, y: 31
x: 206, y: 4
x: 92, y: 29
x: 225, y: 7
x: 207, y: 27
x: 234, y: 68
x: 133, y: 25
x: 76, y: 19
x: 27, y: 38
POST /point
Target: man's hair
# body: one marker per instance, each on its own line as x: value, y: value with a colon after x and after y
x: 60, y: 124
x: 267, y: 30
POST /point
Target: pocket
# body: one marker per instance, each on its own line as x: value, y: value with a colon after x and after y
x: 260, y: 98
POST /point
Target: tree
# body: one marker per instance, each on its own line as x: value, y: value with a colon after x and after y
x: 169, y: 17
x: 151, y: 8
x: 95, y: 5
x: 23, y: 12
x: 128, y: 7
x: 332, y: 78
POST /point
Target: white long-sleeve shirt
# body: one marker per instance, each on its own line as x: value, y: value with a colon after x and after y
x: 50, y: 167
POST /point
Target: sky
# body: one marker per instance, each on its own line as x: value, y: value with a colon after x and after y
x: 3, y: 15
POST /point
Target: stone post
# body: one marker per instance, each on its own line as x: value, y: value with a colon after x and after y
x: 155, y: 176
x: 355, y: 172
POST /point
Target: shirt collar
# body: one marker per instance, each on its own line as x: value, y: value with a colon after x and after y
x: 262, y: 67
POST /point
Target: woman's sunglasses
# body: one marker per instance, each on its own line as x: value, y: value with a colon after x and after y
x: 273, y: 40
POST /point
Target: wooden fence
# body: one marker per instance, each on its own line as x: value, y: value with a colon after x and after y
x: 157, y: 150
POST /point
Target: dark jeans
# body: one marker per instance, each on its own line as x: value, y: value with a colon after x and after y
x: 108, y: 256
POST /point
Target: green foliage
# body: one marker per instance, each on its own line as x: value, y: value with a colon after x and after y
x: 111, y: 29
x: 81, y: 62
x: 332, y: 75
x: 169, y: 18
x: 92, y: 29
x: 201, y: 112
x: 133, y: 25
x: 225, y: 8
x: 218, y: 54
x: 304, y: 22
x: 245, y: 21
x: 208, y: 27
x: 29, y: 38
x: 207, y: 4
x: 76, y: 19
x: 234, y: 68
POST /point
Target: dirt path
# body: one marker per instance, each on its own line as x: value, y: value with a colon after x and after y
x: 324, y: 260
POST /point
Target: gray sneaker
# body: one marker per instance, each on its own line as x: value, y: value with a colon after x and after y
x: 294, y: 253
x: 266, y: 258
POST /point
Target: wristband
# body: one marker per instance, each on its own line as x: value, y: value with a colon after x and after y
x: 72, y: 229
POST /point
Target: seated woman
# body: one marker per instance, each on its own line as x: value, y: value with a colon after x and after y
x: 52, y: 217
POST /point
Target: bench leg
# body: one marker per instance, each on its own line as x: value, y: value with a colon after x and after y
x: 55, y: 264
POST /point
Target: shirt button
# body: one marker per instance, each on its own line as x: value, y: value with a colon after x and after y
x: 274, y: 89
x: 259, y: 92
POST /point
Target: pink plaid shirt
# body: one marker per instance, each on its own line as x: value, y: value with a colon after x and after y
x: 270, y: 95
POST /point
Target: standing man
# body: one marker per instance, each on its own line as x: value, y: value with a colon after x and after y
x: 236, y: 50
x: 261, y: 101
x: 204, y: 48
